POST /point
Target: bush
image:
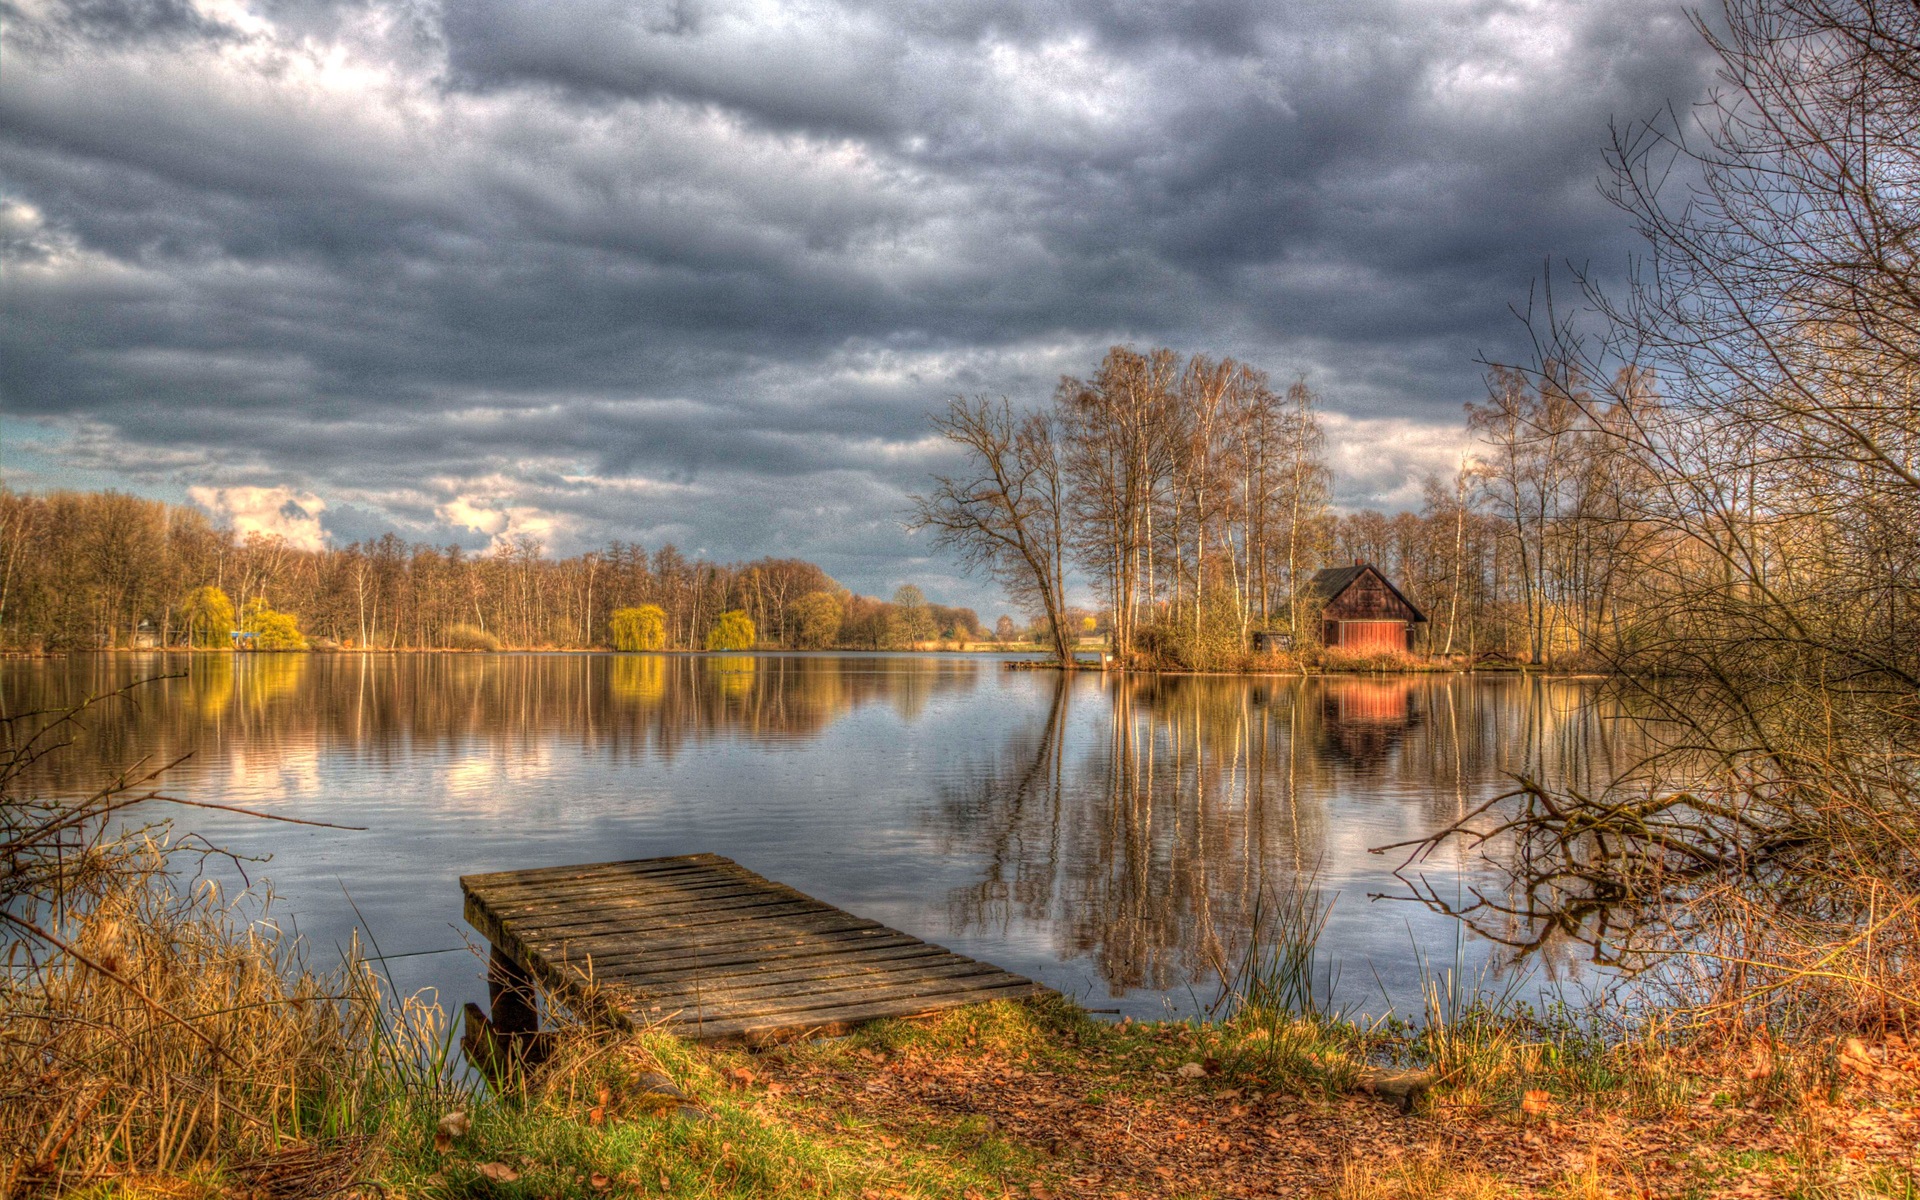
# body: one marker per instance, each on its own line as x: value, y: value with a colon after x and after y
x: 1220, y: 643
x: 469, y: 637
x: 733, y: 631
x: 272, y: 629
x: 642, y: 628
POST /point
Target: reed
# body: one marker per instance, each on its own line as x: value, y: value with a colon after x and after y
x: 168, y: 1034
x: 153, y: 1025
x: 1284, y: 970
x: 1279, y: 998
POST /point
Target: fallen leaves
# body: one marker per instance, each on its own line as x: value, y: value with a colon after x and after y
x: 1856, y: 1059
x: 1149, y: 1133
x: 450, y: 1129
x: 499, y: 1172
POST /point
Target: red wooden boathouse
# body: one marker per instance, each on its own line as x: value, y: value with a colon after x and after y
x: 1361, y: 610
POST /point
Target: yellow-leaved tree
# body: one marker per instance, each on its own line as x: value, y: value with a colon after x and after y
x: 817, y: 620
x: 208, y: 615
x: 642, y: 628
x: 733, y: 631
x: 271, y: 628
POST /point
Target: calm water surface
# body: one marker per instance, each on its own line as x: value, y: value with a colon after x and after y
x: 1106, y: 835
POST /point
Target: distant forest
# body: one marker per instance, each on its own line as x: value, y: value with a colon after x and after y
x: 86, y: 570
x: 1195, y: 500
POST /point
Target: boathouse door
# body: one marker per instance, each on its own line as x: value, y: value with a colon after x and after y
x: 1373, y: 635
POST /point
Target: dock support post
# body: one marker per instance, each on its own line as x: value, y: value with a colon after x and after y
x: 507, y: 1043
x: 510, y: 995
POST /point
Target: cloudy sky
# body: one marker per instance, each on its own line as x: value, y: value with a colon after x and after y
x: 696, y: 270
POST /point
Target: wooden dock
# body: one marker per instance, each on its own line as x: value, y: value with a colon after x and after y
x: 703, y: 947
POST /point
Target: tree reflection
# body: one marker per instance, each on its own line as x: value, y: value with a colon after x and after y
x: 1146, y: 844
x: 386, y: 706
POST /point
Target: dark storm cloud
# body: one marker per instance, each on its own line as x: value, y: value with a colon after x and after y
x: 697, y: 270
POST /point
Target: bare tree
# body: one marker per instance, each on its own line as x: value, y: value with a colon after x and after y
x: 1308, y: 485
x: 1763, y: 392
x: 1007, y: 515
x: 1122, y: 438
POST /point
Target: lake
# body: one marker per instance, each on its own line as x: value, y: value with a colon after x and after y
x: 1110, y: 835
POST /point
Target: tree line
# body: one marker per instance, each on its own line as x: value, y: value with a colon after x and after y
x: 1184, y: 488
x: 1197, y: 499
x: 87, y: 570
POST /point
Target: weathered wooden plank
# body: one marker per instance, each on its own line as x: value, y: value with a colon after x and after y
x: 682, y: 916
x: 783, y: 993
x: 831, y: 1021
x: 790, y: 916
x: 867, y: 957
x: 761, y: 945
x: 848, y: 973
x: 633, y: 866
x: 510, y: 893
x: 628, y: 900
x: 640, y: 879
x: 752, y: 946
x: 818, y: 1009
x: 794, y: 927
x: 715, y: 951
x: 678, y: 881
x: 655, y: 888
x: 793, y: 998
x: 826, y: 946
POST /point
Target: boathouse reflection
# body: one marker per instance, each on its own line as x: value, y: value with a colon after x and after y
x: 1148, y: 845
x: 1363, y: 720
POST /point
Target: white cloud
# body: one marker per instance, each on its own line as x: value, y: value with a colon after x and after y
x: 275, y: 511
x: 494, y: 516
x: 1381, y: 462
x: 658, y: 271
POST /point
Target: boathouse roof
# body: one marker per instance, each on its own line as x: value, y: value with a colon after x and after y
x: 1330, y: 583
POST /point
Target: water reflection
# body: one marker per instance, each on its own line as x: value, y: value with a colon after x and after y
x: 1110, y: 835
x: 387, y: 705
x: 1363, y: 719
x: 1150, y: 848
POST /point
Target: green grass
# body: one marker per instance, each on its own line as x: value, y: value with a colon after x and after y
x: 586, y: 1122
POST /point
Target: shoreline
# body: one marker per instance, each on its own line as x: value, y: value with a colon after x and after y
x: 1036, y: 663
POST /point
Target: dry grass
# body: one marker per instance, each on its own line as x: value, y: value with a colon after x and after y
x: 1428, y: 1176
x: 470, y: 637
x: 152, y: 1028
x: 1386, y: 661
x: 170, y: 1033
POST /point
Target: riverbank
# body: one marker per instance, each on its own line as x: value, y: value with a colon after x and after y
x: 1042, y: 1101
x: 1375, y: 665
x: 169, y: 1046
